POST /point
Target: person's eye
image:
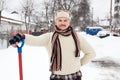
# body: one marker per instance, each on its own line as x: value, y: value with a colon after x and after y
x: 65, y: 20
x: 60, y: 20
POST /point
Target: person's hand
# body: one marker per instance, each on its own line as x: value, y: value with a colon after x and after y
x: 14, y: 41
x: 18, y: 37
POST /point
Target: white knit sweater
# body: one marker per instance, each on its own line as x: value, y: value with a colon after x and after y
x: 70, y: 63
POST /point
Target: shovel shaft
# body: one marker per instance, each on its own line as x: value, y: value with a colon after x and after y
x: 19, y: 48
x: 20, y: 66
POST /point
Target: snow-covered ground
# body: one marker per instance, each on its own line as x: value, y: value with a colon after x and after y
x: 105, y: 66
x: 3, y: 44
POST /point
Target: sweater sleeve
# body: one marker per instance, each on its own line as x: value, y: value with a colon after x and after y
x: 41, y: 40
x: 87, y: 49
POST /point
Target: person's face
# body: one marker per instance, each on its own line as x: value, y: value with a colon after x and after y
x: 62, y: 23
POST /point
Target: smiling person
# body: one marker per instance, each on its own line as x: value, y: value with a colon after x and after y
x: 64, y: 46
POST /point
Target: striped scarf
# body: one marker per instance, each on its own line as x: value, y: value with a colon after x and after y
x: 56, y: 58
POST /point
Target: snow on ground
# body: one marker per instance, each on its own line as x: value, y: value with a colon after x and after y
x: 105, y: 66
x: 35, y: 63
x: 3, y: 44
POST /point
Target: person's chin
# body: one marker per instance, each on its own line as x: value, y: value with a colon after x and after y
x: 63, y: 27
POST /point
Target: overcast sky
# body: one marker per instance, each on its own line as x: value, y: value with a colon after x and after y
x: 101, y: 8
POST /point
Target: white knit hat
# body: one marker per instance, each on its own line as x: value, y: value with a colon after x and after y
x: 62, y: 13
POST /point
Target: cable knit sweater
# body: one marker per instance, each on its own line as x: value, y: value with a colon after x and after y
x: 70, y: 63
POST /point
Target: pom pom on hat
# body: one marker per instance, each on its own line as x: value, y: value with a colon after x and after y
x: 62, y: 13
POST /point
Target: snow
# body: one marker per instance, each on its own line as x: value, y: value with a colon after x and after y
x: 105, y: 66
x: 94, y: 27
x: 10, y: 15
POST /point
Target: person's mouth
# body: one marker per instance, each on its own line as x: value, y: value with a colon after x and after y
x: 62, y: 25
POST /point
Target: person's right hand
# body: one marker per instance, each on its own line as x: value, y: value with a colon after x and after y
x: 16, y: 39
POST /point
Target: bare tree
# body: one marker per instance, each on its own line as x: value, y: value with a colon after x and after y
x: 62, y: 4
x: 27, y: 9
x: 46, y: 11
x: 39, y: 19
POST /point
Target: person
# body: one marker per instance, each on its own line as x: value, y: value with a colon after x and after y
x: 64, y: 46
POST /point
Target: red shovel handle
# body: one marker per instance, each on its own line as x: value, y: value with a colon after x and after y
x: 20, y: 59
x: 20, y: 66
